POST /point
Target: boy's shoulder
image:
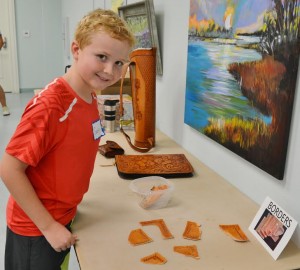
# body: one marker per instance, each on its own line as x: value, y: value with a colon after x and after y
x: 56, y: 96
x: 55, y: 92
x: 57, y: 87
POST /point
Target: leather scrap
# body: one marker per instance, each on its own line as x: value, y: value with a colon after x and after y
x: 138, y: 237
x: 192, y: 231
x: 161, y: 225
x: 155, y: 258
x: 154, y: 195
x: 190, y: 251
x: 235, y: 232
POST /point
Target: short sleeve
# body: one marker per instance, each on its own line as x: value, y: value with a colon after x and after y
x: 35, y: 134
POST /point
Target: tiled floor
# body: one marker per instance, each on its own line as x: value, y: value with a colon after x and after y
x: 16, y: 103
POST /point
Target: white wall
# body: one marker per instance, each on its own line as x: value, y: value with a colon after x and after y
x: 39, y: 54
x: 72, y: 12
x: 172, y: 21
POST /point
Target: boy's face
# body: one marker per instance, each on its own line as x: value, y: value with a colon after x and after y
x: 99, y: 64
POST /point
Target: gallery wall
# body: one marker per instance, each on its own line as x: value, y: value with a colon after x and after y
x: 252, y: 181
x: 39, y: 41
x: 172, y: 22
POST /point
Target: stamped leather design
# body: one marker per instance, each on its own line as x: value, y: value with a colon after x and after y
x: 173, y: 165
x: 142, y: 69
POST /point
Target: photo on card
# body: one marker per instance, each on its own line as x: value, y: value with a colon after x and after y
x: 270, y: 229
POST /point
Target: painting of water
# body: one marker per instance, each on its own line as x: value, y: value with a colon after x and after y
x: 242, y: 68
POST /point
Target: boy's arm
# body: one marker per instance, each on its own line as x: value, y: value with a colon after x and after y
x: 12, y: 172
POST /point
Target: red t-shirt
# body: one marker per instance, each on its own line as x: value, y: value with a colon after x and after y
x: 58, y: 138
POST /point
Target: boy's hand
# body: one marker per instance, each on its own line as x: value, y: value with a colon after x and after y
x: 59, y: 237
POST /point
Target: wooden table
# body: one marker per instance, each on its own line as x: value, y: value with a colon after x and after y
x: 110, y: 210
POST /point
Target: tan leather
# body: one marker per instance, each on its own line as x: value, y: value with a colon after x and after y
x: 151, y: 199
x: 138, y: 237
x: 192, y: 231
x: 155, y: 258
x: 235, y: 232
x: 165, y: 165
x: 190, y: 251
x: 161, y: 225
x: 142, y: 69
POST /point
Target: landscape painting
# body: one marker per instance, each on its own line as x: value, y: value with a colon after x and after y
x: 242, y: 68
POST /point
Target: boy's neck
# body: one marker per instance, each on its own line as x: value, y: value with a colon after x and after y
x: 82, y: 92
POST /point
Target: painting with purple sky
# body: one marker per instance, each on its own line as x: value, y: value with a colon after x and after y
x: 241, y: 76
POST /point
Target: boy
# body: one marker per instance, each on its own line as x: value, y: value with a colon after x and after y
x: 49, y: 160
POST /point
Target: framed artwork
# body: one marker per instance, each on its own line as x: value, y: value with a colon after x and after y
x: 115, y: 4
x: 141, y: 19
x: 242, y: 70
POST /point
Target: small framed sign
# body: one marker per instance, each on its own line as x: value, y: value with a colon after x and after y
x: 141, y: 20
x: 273, y: 227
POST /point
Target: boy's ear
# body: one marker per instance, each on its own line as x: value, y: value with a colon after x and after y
x: 74, y: 49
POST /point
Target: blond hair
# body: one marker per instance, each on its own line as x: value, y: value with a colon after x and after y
x: 102, y: 20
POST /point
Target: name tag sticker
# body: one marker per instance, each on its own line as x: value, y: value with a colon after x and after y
x: 98, y: 130
x: 273, y: 227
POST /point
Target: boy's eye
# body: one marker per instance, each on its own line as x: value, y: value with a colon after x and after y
x: 102, y: 57
x: 119, y: 63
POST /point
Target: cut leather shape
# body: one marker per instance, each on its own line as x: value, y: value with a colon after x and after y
x: 235, y: 232
x: 165, y: 165
x: 190, y: 251
x: 110, y: 149
x: 153, y: 197
x: 192, y: 231
x: 155, y: 258
x: 138, y: 237
x: 161, y: 225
